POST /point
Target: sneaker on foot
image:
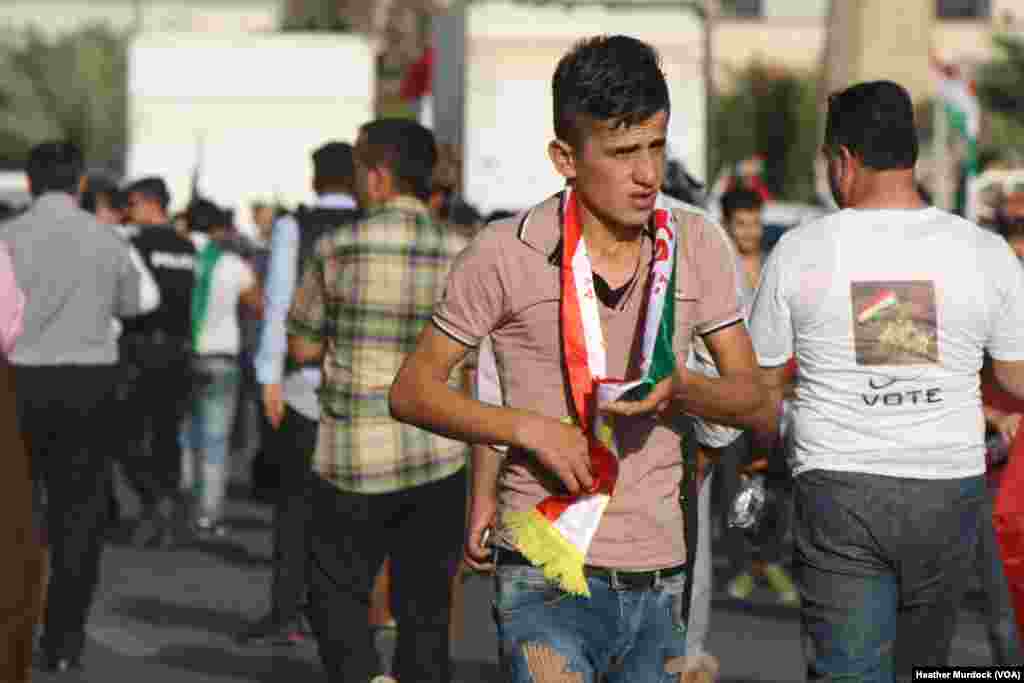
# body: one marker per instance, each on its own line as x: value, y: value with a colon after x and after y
x: 742, y: 586
x: 207, y: 528
x: 779, y: 581
x: 271, y: 631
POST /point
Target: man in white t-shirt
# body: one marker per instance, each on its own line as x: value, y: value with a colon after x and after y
x: 223, y: 281
x: 888, y: 306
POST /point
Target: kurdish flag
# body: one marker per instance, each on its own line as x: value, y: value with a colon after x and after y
x: 959, y: 98
x: 885, y: 299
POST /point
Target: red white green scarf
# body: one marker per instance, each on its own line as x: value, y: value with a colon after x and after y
x: 556, y: 534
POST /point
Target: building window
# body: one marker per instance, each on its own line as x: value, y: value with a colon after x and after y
x: 963, y: 9
x: 742, y: 8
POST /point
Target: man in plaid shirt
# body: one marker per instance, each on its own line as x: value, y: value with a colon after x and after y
x: 380, y: 488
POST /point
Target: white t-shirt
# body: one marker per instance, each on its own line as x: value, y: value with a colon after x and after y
x: 888, y: 313
x: 231, y: 277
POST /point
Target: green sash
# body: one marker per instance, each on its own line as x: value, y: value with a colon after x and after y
x: 207, y: 262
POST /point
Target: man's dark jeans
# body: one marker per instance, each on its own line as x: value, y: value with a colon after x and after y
x: 153, y: 395
x: 64, y: 413
x: 420, y: 530
x: 291, y: 446
x: 882, y: 564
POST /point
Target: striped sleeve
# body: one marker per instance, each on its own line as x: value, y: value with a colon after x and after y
x: 714, y: 259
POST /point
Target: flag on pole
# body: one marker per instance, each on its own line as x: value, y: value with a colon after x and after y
x: 418, y: 85
x: 959, y: 99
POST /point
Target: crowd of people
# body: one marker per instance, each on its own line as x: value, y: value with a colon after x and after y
x: 551, y: 396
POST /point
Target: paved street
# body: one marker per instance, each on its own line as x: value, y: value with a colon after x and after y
x: 168, y: 616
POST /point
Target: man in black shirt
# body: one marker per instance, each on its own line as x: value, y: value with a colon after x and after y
x: 156, y: 346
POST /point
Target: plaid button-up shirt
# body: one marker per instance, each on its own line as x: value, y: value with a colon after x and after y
x: 365, y: 294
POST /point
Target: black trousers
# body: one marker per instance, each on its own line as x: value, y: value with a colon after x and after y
x: 767, y: 544
x: 420, y: 530
x: 65, y: 417
x: 291, y: 446
x: 155, y: 383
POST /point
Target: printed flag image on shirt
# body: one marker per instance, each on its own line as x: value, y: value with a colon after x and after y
x: 895, y: 323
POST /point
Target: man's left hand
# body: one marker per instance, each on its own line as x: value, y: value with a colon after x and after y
x: 657, y: 401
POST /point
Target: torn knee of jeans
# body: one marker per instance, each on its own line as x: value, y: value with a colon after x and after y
x: 548, y: 666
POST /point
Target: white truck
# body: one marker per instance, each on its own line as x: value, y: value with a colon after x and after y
x: 511, y: 50
x: 242, y: 112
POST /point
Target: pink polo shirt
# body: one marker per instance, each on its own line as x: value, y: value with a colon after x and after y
x: 12, y: 303
x: 506, y: 285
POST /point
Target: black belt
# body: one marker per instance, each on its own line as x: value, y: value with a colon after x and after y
x: 618, y: 578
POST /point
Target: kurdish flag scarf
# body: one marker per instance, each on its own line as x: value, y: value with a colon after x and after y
x: 556, y: 534
x: 206, y: 263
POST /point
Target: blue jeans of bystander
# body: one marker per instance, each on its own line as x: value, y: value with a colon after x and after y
x: 882, y: 564
x: 208, y: 432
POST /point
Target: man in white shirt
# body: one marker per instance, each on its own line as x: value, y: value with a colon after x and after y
x: 223, y: 281
x: 888, y: 306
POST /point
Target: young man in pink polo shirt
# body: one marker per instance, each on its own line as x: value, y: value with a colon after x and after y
x: 600, y: 281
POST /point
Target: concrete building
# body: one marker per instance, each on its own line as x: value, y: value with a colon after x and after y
x: 882, y: 39
x: 56, y: 16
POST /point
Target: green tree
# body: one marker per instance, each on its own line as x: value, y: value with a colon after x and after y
x: 773, y: 112
x: 73, y: 86
x: 1000, y: 85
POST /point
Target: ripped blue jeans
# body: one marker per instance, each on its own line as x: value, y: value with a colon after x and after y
x: 881, y: 564
x: 207, y: 434
x: 616, y: 635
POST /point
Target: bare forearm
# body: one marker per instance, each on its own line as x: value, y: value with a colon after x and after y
x: 1010, y: 376
x: 486, y: 464
x: 739, y: 400
x: 992, y: 415
x: 436, y: 407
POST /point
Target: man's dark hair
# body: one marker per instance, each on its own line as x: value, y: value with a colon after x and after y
x: 333, y: 166
x: 151, y: 187
x: 875, y: 121
x: 740, y: 199
x: 1011, y: 228
x: 204, y: 216
x: 55, y: 167
x: 405, y: 148
x: 101, y: 186
x: 607, y: 78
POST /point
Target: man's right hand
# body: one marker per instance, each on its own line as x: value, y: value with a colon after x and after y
x: 273, y: 404
x: 483, y: 510
x: 562, y: 448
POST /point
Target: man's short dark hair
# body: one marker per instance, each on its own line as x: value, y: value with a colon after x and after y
x: 100, y: 186
x: 333, y: 165
x: 607, y: 78
x: 1012, y: 228
x: 740, y: 199
x: 55, y: 166
x: 404, y: 147
x: 875, y: 121
x: 151, y: 187
x: 205, y: 216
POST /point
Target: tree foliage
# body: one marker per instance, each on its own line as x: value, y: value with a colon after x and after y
x: 1001, y: 81
x: 772, y: 112
x: 1000, y: 84
x: 72, y: 86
